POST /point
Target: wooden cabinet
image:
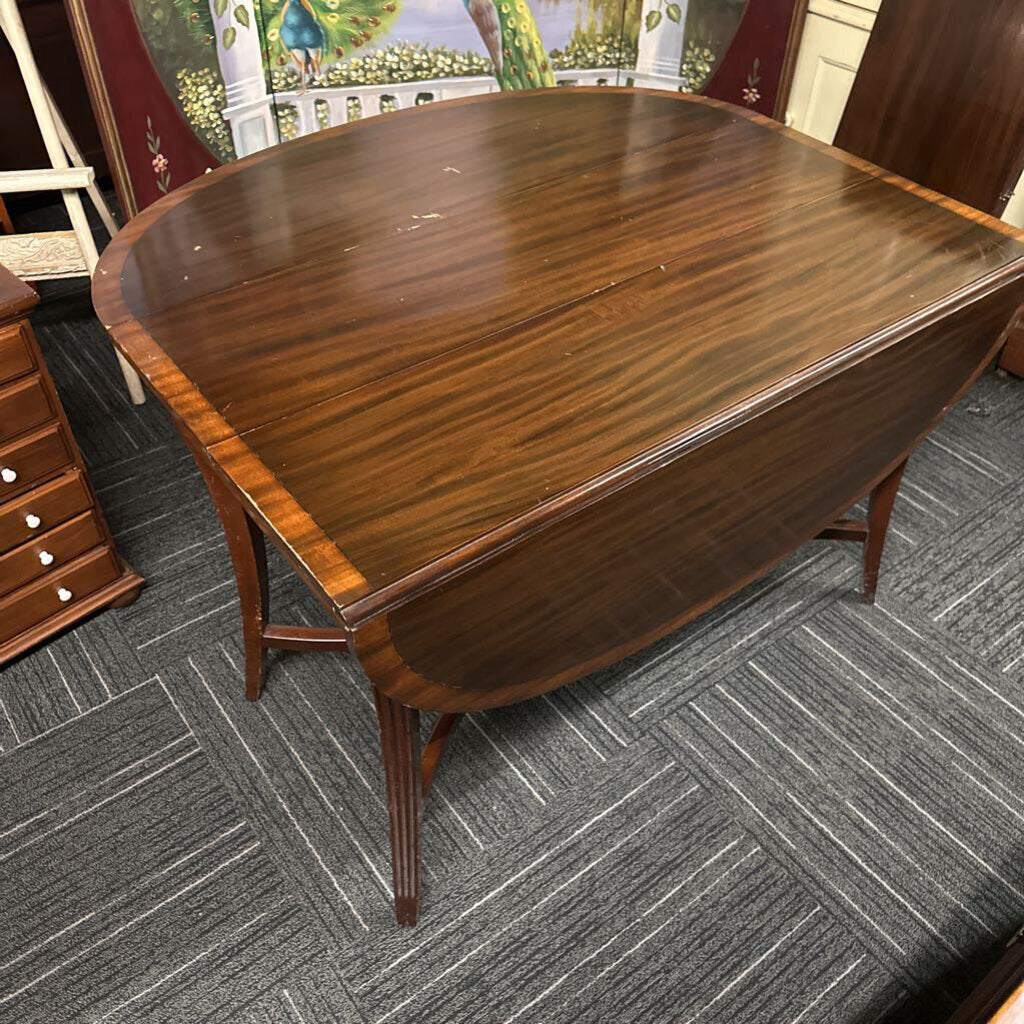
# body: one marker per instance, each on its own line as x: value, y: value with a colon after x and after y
x: 58, y: 562
x: 835, y: 36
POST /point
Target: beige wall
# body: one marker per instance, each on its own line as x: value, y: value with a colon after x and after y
x: 833, y: 43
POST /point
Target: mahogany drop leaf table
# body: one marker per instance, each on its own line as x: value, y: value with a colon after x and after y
x: 522, y: 382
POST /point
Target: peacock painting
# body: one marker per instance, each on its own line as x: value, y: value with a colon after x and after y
x: 304, y: 36
x: 509, y: 31
x: 315, y: 32
x: 311, y: 33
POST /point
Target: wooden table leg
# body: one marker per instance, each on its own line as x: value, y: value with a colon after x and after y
x: 1012, y: 358
x: 249, y: 555
x: 435, y: 747
x: 400, y: 750
x: 879, y: 510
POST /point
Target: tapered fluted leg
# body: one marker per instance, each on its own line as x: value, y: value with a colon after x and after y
x: 249, y: 556
x: 879, y: 510
x: 400, y: 750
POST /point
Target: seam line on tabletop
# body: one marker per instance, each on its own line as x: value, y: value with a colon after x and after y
x: 576, y: 300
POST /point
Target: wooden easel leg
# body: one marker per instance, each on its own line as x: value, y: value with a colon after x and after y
x: 249, y: 556
x: 879, y: 510
x: 75, y: 156
x: 400, y: 750
x: 14, y: 30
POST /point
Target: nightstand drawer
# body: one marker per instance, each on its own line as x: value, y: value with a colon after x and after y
x: 23, y: 405
x: 15, y: 352
x: 32, y: 458
x: 56, y: 591
x: 32, y: 514
x: 49, y: 552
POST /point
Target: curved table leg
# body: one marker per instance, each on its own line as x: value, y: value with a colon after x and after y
x: 879, y: 510
x: 249, y: 556
x: 400, y: 750
x: 871, y: 533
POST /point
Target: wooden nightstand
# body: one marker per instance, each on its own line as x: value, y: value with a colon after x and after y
x: 58, y: 561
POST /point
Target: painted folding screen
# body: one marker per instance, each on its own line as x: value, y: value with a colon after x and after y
x: 182, y: 85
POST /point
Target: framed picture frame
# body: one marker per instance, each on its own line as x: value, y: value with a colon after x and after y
x: 180, y: 86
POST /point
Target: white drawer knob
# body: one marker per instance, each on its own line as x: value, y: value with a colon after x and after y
x: 8, y: 475
x: 33, y: 522
x: 46, y: 558
x: 64, y: 594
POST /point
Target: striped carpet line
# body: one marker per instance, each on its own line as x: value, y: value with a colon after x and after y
x: 284, y: 807
x: 536, y: 906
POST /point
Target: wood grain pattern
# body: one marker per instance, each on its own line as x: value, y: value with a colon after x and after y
x: 883, y: 497
x: 23, y: 405
x: 15, y: 353
x: 379, y: 308
x: 51, y: 504
x: 544, y: 407
x: 40, y: 600
x: 249, y: 557
x: 400, y: 745
x: 379, y: 513
x: 33, y: 457
x: 952, y: 116
x: 59, y: 545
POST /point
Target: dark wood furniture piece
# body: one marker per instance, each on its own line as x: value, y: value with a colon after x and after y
x: 1011, y: 358
x: 938, y: 99
x: 999, y: 997
x: 58, y: 561
x: 604, y: 357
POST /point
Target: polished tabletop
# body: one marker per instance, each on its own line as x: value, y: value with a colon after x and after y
x: 435, y: 331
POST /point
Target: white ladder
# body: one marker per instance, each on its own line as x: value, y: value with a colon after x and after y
x: 43, y: 255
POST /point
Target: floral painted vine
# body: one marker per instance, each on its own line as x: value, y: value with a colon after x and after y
x: 160, y: 162
x: 751, y: 94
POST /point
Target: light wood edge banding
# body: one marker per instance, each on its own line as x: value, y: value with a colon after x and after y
x: 314, y: 556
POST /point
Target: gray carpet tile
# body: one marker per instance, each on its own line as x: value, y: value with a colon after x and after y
x: 795, y: 809
x: 130, y: 865
x: 868, y: 753
x: 957, y: 472
x: 977, y: 599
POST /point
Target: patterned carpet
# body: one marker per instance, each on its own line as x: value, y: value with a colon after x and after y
x: 797, y: 809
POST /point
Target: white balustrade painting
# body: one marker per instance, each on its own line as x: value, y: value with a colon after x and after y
x: 250, y: 73
x: 184, y: 85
